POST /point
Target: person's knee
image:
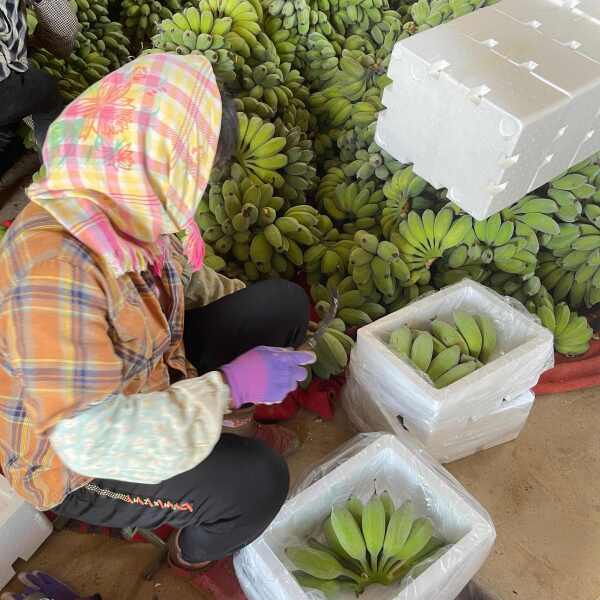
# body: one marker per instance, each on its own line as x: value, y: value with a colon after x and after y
x: 268, y: 478
x: 289, y: 298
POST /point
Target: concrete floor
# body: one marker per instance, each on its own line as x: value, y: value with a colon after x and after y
x: 542, y: 492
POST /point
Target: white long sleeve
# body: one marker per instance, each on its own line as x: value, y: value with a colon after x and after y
x: 145, y: 438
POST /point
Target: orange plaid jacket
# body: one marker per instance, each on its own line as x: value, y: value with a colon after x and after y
x: 39, y: 306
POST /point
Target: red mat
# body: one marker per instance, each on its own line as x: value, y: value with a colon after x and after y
x: 571, y: 374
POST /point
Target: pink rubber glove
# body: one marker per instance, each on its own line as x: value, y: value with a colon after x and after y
x: 266, y: 375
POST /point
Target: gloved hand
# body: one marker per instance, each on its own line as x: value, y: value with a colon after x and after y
x: 266, y: 375
x: 40, y: 585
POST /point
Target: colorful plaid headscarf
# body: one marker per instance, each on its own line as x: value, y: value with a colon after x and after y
x: 128, y: 161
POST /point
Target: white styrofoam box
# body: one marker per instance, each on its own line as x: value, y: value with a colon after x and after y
x: 446, y: 441
x: 394, y: 463
x: 453, y: 441
x: 496, y: 103
x: 22, y: 530
x: 524, y: 351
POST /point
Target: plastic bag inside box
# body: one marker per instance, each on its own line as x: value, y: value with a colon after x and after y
x: 525, y: 350
x: 453, y: 439
x: 384, y: 462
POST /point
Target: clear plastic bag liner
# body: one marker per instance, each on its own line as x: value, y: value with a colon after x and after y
x: 524, y: 351
x: 373, y: 462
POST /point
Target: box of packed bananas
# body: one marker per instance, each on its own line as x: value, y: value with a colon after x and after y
x: 455, y: 365
x: 380, y: 520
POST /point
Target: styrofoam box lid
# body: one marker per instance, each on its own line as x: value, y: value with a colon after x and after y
x: 524, y: 350
x: 264, y: 569
x: 514, y: 86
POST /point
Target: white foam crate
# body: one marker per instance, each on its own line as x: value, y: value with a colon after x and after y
x: 22, y: 530
x: 524, y: 351
x: 496, y: 103
x: 447, y: 441
x: 454, y: 441
x: 406, y: 471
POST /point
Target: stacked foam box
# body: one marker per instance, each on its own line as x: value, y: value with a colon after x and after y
x: 488, y: 407
x: 496, y: 103
x: 22, y: 530
x: 392, y: 463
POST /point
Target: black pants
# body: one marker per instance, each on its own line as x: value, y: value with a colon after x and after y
x: 228, y: 500
x: 31, y: 93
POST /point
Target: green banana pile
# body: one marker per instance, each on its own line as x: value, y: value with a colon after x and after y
x: 568, y: 263
x: 309, y: 190
x: 375, y: 543
x: 449, y: 352
x: 99, y: 49
x: 89, y: 13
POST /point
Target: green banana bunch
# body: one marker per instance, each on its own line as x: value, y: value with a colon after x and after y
x: 559, y: 281
x: 259, y: 151
x: 354, y: 206
x: 371, y: 161
x: 253, y: 107
x: 400, y: 191
x: 380, y: 38
x: 265, y: 83
x: 295, y: 114
x: 142, y: 17
x: 377, y: 266
x: 245, y: 22
x: 431, y: 13
x: 572, y: 333
x: 515, y: 286
x: 295, y: 15
x: 333, y: 350
x: 534, y: 212
x: 426, y: 15
x: 321, y: 61
x: 194, y: 32
x: 213, y: 260
x: 423, y: 239
x: 374, y: 543
x: 288, y: 44
x: 445, y: 275
x: 360, y: 16
x: 89, y: 13
x: 512, y: 246
x: 300, y: 173
x: 329, y: 258
x: 246, y: 221
x: 448, y: 352
x: 355, y: 308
